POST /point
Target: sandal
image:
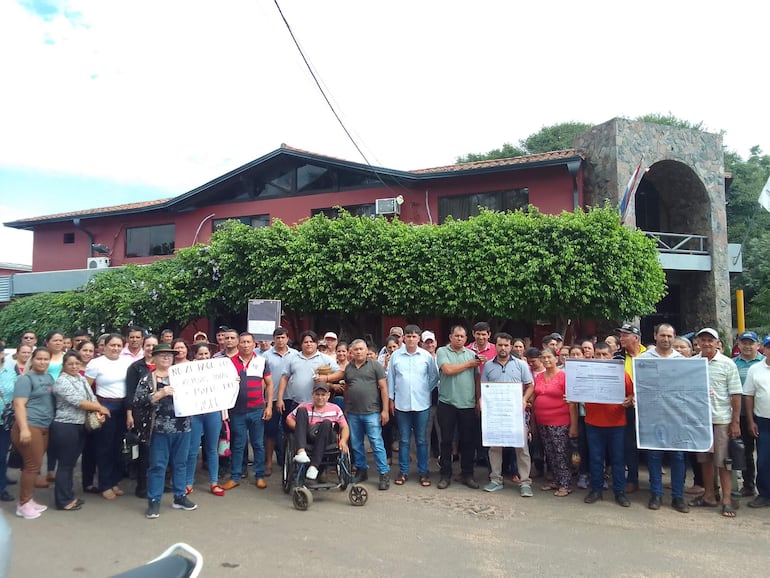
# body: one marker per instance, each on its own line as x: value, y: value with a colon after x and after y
x: 562, y: 492
x: 117, y: 490
x: 109, y: 494
x: 425, y: 481
x: 516, y: 479
x: 217, y: 490
x: 728, y: 511
x: 400, y: 479
x: 548, y: 487
x: 699, y: 502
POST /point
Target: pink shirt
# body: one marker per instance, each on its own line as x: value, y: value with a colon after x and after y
x: 550, y: 407
x: 330, y: 412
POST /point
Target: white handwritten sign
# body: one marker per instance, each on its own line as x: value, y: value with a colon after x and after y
x: 203, y: 386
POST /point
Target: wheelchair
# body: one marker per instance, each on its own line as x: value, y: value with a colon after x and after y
x: 334, y: 473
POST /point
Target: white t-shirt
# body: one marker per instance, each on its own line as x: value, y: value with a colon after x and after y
x: 758, y: 385
x: 109, y: 376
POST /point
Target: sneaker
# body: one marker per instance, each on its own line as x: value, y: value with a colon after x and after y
x: 384, y: 481
x: 183, y: 503
x: 525, y: 490
x: 582, y: 482
x: 748, y: 492
x: 6, y: 497
x: 311, y: 473
x: 654, y: 503
x: 759, y: 502
x: 470, y: 482
x: 362, y: 474
x: 39, y: 507
x: 27, y: 511
x: 302, y: 458
x: 493, y: 486
x: 443, y: 483
x: 153, y: 510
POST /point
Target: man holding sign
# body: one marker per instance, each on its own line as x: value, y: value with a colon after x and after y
x: 505, y: 368
x: 664, y: 349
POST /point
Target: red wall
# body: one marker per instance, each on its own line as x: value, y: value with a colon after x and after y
x: 550, y: 189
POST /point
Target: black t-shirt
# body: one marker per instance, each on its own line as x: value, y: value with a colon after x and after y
x: 363, y: 394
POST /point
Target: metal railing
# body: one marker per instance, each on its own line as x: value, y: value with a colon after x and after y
x: 679, y: 243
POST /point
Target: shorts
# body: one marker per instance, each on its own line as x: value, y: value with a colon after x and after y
x: 718, y: 452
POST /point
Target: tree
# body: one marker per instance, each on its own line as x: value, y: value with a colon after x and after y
x: 41, y: 313
x: 669, y: 120
x: 549, y: 138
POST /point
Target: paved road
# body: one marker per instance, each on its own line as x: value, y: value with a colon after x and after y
x: 406, y: 531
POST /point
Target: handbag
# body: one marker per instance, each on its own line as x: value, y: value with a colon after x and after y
x: 223, y: 446
x: 8, y: 416
x: 93, y: 421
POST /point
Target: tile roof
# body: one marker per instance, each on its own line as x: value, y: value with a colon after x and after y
x: 540, y: 157
x: 96, y: 211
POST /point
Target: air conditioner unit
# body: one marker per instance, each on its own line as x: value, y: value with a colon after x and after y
x: 387, y: 207
x: 97, y: 263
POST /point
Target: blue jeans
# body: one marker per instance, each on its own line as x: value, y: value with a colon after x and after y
x: 763, y: 456
x: 601, y: 441
x: 367, y: 424
x: 209, y: 424
x: 242, y: 425
x: 417, y: 422
x: 5, y: 443
x: 655, y: 467
x: 167, y: 448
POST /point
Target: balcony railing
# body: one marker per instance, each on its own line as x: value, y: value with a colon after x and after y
x: 679, y: 243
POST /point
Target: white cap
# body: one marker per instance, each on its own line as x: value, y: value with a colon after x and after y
x: 330, y: 335
x: 427, y: 335
x: 708, y: 330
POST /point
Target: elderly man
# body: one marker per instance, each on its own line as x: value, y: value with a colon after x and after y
x: 748, y: 345
x: 664, y: 349
x: 630, y: 347
x: 726, y: 390
x: 757, y: 395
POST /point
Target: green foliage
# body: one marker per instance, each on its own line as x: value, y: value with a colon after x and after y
x: 549, y: 138
x: 41, y: 313
x: 669, y: 120
x: 521, y: 265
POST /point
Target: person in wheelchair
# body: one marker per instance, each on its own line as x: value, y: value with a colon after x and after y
x: 313, y: 425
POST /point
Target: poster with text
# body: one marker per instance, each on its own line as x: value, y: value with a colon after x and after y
x: 203, y: 386
x: 502, y: 415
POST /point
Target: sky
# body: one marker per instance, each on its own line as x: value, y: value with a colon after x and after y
x: 108, y: 102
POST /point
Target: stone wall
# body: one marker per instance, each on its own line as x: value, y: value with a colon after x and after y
x: 687, y: 168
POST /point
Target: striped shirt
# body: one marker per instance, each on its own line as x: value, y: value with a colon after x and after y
x: 330, y: 412
x: 724, y: 381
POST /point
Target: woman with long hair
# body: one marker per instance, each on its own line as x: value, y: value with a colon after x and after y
x: 33, y: 404
x: 557, y: 421
x: 74, y: 398
x: 22, y: 357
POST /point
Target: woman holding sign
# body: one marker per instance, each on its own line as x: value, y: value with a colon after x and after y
x: 208, y: 425
x: 557, y: 421
x: 168, y: 435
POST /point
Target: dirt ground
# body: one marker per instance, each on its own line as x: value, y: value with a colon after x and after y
x: 405, y: 531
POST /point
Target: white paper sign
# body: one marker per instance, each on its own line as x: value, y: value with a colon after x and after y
x: 595, y: 380
x: 673, y: 409
x: 502, y: 415
x: 203, y: 386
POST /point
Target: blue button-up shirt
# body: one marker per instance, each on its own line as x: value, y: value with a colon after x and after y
x: 411, y: 378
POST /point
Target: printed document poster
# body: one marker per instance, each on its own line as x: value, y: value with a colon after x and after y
x: 264, y: 315
x: 203, y: 386
x: 673, y: 409
x: 502, y: 415
x: 595, y: 380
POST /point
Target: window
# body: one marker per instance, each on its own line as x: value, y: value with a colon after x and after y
x: 255, y: 221
x: 354, y: 210
x: 464, y: 206
x: 150, y: 241
x: 69, y: 238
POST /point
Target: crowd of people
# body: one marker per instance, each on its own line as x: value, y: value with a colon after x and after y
x: 77, y: 398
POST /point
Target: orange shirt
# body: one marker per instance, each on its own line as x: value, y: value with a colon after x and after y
x: 608, y: 415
